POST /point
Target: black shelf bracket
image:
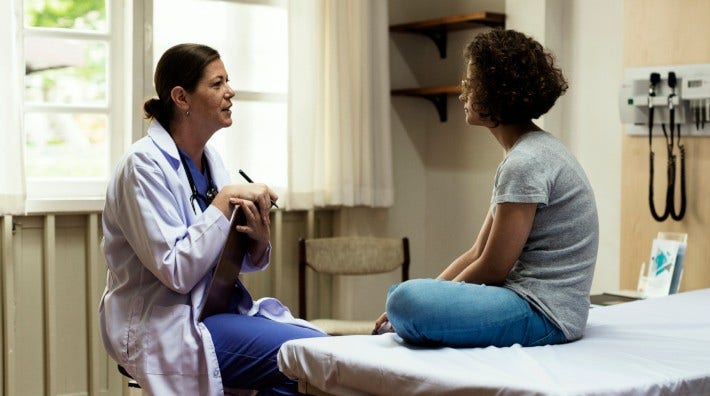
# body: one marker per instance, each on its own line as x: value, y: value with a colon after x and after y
x: 439, y: 101
x: 439, y: 36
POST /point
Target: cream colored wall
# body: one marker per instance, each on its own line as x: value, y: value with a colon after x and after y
x: 591, y: 55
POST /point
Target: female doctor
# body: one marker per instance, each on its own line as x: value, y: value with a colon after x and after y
x: 165, y: 221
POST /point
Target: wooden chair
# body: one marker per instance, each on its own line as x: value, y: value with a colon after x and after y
x: 349, y: 256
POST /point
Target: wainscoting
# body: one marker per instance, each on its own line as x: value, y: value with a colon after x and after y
x: 52, y: 274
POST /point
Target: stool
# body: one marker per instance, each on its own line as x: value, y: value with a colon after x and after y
x: 132, y: 383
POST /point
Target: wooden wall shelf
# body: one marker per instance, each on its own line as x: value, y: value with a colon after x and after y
x: 437, y: 95
x: 437, y: 29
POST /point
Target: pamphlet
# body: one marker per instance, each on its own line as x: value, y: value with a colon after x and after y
x: 661, y: 268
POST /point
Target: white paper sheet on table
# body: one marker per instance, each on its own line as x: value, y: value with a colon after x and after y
x: 658, y: 346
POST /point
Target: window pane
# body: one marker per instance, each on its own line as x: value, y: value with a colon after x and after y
x: 251, y: 38
x: 256, y: 142
x: 65, y: 71
x: 66, y: 145
x: 68, y: 14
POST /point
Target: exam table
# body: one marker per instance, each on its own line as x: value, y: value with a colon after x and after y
x: 658, y: 346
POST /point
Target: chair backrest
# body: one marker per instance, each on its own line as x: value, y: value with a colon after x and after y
x: 350, y: 256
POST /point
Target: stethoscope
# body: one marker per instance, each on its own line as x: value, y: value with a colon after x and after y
x: 208, y: 196
x: 671, y: 166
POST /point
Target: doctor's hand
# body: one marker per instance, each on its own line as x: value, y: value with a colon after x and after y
x: 260, y: 194
x: 258, y: 230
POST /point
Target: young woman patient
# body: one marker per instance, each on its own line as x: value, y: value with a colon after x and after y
x: 527, y: 277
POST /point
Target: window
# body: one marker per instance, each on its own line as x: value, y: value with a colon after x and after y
x: 79, y: 115
x: 73, y: 111
x: 252, y: 39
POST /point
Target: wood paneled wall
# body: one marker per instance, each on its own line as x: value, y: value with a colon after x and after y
x: 662, y: 32
x: 52, y: 278
x: 52, y: 275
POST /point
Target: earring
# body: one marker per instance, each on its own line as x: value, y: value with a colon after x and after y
x: 187, y: 113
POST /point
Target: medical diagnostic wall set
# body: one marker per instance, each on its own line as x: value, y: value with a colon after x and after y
x: 673, y: 101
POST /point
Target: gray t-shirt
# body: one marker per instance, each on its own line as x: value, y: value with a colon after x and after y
x: 555, y: 269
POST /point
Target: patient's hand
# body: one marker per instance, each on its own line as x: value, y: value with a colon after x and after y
x: 384, y: 328
x: 382, y: 325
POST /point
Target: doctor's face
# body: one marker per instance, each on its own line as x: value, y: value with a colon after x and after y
x: 212, y: 99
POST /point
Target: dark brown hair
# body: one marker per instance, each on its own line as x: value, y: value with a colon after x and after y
x: 514, y: 78
x: 182, y: 65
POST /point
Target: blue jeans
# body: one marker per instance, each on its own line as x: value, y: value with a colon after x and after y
x: 246, y: 349
x: 432, y: 312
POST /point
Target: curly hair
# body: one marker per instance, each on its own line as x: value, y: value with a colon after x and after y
x: 515, y: 78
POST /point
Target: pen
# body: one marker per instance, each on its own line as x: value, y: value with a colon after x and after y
x: 248, y: 179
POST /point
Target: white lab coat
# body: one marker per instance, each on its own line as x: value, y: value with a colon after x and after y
x: 159, y: 255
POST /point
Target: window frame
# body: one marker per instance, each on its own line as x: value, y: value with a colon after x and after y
x: 46, y: 195
x: 130, y: 40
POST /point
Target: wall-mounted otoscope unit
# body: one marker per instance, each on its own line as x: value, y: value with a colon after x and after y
x: 666, y: 100
x: 689, y: 95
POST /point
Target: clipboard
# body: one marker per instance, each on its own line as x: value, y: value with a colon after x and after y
x: 228, y: 267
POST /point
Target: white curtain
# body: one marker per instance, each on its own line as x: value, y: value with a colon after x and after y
x: 12, y: 176
x: 339, y: 144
